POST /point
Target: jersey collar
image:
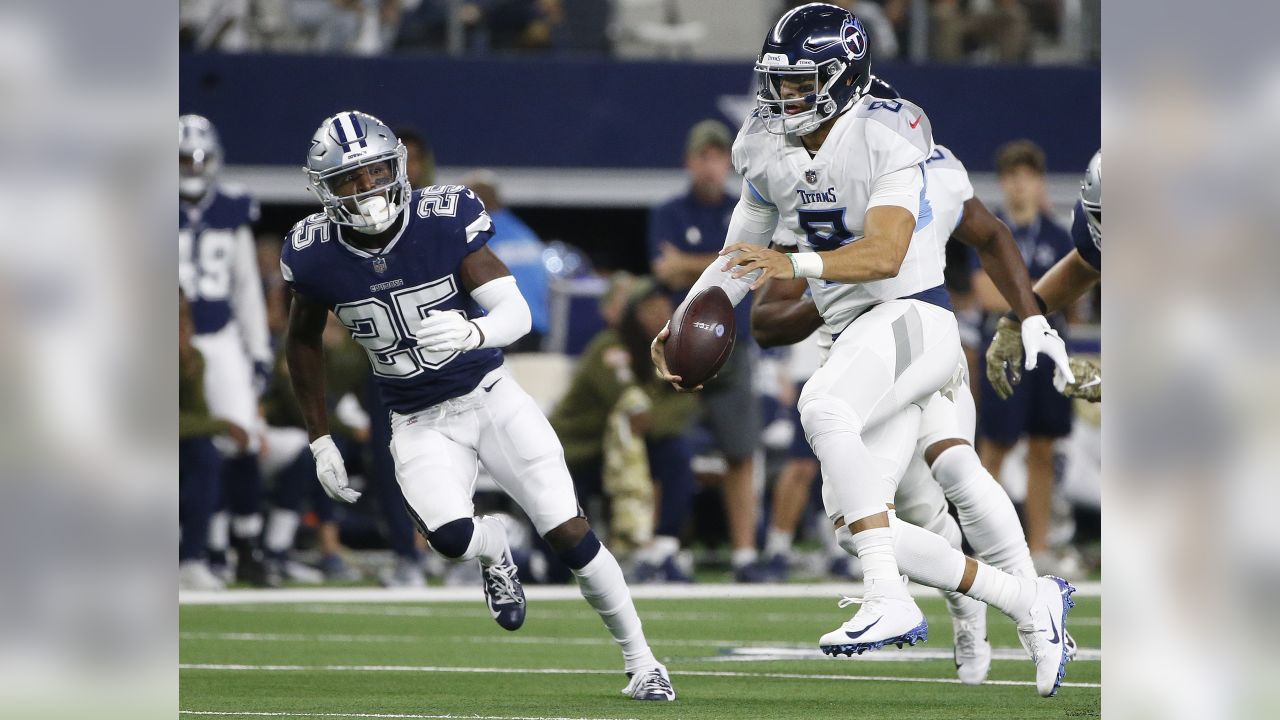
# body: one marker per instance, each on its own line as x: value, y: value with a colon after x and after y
x: 360, y: 252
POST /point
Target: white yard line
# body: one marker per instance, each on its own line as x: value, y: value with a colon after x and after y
x: 259, y: 713
x: 477, y: 610
x: 715, y: 591
x: 737, y: 650
x: 565, y: 671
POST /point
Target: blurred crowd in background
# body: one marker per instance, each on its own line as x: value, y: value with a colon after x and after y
x: 953, y: 31
x: 712, y: 486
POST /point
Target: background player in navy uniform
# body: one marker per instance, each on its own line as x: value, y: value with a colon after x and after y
x: 218, y: 274
x: 1063, y: 284
x: 408, y: 273
x: 1036, y: 409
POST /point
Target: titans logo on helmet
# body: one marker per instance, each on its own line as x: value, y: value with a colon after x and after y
x: 854, y: 38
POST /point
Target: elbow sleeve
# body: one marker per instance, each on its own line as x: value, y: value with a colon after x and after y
x: 509, y: 318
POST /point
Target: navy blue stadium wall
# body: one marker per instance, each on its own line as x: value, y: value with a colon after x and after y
x: 545, y: 112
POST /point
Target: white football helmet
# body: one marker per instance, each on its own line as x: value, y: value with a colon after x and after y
x: 1091, y: 197
x: 357, y: 167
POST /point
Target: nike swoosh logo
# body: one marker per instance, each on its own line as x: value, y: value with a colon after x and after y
x: 495, y: 382
x: 1091, y: 383
x: 856, y: 635
x: 916, y: 122
x: 1055, y: 637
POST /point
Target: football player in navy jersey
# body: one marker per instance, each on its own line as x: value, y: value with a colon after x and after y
x: 409, y: 275
x: 1072, y: 276
x: 218, y: 274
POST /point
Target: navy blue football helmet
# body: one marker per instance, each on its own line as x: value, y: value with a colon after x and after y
x: 815, y: 64
x: 882, y: 90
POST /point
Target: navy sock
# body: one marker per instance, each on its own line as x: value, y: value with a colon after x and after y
x: 584, y: 552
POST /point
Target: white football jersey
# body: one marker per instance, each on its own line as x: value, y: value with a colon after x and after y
x: 822, y: 200
x: 949, y: 189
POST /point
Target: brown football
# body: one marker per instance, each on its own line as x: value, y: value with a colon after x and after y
x: 702, y: 335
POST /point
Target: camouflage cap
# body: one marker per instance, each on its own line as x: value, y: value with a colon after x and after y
x: 706, y: 133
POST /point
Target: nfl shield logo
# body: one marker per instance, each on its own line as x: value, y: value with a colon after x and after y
x: 379, y: 264
x: 811, y: 176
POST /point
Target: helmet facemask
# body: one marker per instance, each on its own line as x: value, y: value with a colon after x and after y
x: 199, y: 156
x: 799, y: 114
x: 197, y: 169
x: 372, y: 210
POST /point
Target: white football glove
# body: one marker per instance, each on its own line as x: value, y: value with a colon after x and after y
x: 1038, y: 337
x: 447, y: 331
x: 331, y: 471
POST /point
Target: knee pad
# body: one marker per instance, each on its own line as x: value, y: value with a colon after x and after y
x: 452, y: 538
x: 821, y: 413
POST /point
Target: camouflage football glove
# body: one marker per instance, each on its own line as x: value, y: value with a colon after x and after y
x: 1088, y: 382
x: 1005, y: 353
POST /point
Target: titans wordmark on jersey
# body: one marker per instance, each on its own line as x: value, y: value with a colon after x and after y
x: 822, y: 199
x: 208, y: 248
x: 382, y: 297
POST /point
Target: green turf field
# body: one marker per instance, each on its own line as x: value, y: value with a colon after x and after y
x: 729, y: 658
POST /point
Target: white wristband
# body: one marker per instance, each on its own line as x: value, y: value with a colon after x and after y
x: 806, y: 265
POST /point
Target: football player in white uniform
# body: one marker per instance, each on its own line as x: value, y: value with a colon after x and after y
x: 945, y: 460
x: 218, y: 274
x: 835, y: 166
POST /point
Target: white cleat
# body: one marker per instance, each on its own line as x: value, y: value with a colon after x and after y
x: 972, y: 651
x: 1044, y: 636
x: 196, y: 575
x: 651, y: 684
x: 882, y: 620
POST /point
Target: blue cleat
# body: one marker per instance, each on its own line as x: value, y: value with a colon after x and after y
x: 1044, y: 635
x: 502, y: 590
x: 882, y: 620
x: 652, y: 684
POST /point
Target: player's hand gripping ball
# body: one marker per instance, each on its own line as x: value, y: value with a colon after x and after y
x: 699, y: 342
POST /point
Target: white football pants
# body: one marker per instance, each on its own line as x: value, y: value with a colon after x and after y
x: 228, y: 384
x: 437, y: 452
x: 895, y: 355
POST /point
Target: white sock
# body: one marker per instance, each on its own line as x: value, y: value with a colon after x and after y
x: 488, y: 541
x: 927, y: 558
x: 986, y: 513
x: 743, y: 557
x: 777, y: 542
x: 1011, y: 594
x: 247, y: 526
x: 879, y: 563
x: 219, y: 531
x: 958, y: 604
x: 663, y: 547
x: 605, y: 590
x: 282, y: 526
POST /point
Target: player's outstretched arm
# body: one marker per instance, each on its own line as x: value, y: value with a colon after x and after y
x: 1003, y: 263
x: 999, y: 255
x: 304, y: 351
x: 782, y: 315
x: 1066, y: 281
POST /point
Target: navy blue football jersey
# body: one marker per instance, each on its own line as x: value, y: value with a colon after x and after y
x: 1089, y: 249
x: 208, y: 243
x: 382, y: 297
